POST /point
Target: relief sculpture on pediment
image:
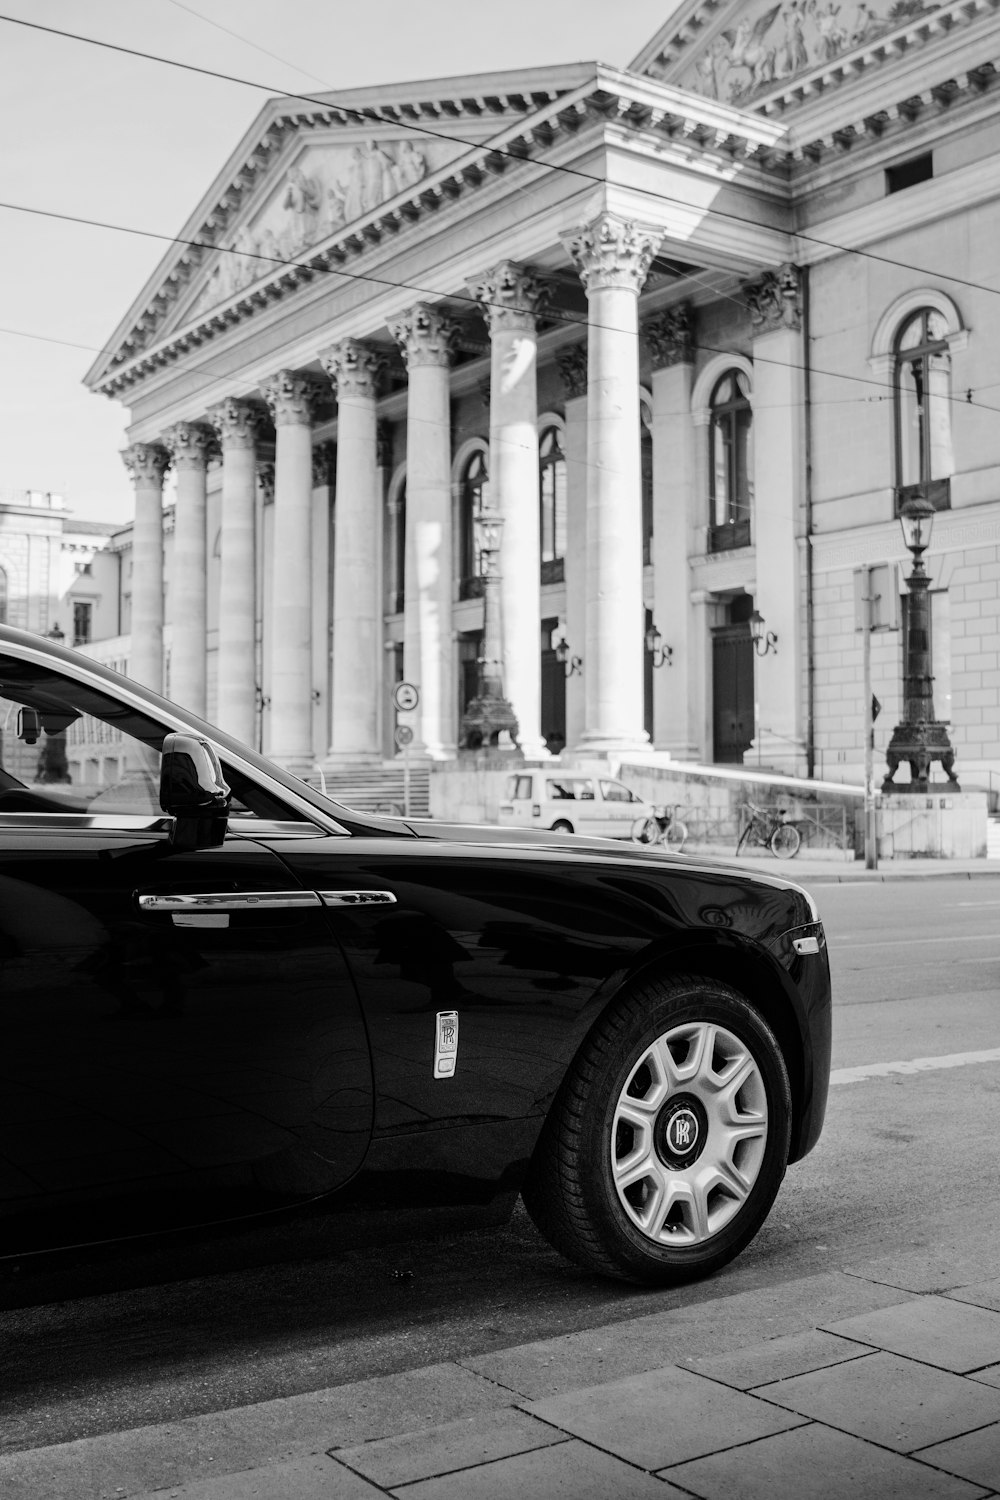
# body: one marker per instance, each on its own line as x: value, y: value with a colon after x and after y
x: 328, y: 188
x: 768, y: 43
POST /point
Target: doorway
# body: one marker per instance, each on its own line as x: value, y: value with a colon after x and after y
x: 733, y: 722
x: 553, y: 690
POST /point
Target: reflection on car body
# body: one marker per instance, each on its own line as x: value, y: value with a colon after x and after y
x: 225, y: 996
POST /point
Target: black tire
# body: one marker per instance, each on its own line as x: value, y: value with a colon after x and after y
x: 561, y: 826
x: 785, y: 841
x: 676, y: 834
x: 570, y: 1191
x: 645, y: 830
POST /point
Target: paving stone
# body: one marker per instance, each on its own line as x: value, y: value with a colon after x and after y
x: 662, y: 1417
x: 816, y: 1463
x: 981, y: 1294
x: 694, y: 1328
x: 778, y: 1359
x: 318, y: 1478
x: 937, y: 1330
x: 571, y: 1471
x: 442, y: 1450
x: 990, y: 1376
x: 958, y: 1259
x: 889, y: 1400
x: 975, y: 1456
x: 144, y: 1458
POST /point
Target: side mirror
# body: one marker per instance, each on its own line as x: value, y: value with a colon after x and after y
x: 193, y: 792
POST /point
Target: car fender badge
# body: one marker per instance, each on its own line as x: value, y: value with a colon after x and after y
x: 445, y: 1043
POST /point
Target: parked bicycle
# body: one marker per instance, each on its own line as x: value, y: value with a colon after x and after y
x: 662, y: 826
x: 773, y: 830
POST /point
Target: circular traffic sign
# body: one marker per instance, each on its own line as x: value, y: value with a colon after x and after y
x: 404, y: 734
x: 405, y: 696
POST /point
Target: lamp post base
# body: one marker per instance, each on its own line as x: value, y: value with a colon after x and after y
x: 920, y: 745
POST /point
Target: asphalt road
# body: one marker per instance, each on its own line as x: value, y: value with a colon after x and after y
x: 906, y: 1161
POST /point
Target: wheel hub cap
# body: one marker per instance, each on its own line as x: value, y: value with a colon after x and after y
x: 680, y: 1132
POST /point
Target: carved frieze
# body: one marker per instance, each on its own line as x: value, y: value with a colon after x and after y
x: 353, y: 367
x: 190, y: 444
x: 425, y: 334
x: 146, y: 463
x: 290, y: 397
x: 775, y: 299
x: 235, y: 422
x: 669, y: 336
x: 572, y: 364
x: 511, y: 297
x: 612, y: 252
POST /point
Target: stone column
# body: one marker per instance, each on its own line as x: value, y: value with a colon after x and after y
x: 324, y: 466
x: 573, y: 370
x: 613, y: 256
x: 236, y: 424
x: 669, y: 338
x: 774, y: 300
x: 425, y: 336
x: 147, y: 463
x: 290, y: 397
x: 354, y: 369
x: 511, y: 297
x: 190, y: 445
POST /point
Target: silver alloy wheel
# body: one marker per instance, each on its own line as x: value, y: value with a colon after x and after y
x: 689, y: 1134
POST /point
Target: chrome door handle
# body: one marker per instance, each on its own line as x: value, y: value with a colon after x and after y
x: 357, y: 898
x: 230, y: 901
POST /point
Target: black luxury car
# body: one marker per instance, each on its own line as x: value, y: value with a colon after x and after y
x: 226, y: 997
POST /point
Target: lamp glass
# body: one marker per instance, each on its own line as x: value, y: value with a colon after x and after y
x: 916, y: 518
x: 756, y: 626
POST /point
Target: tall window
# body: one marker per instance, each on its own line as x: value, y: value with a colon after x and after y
x: 83, y: 613
x: 396, y: 528
x: 473, y: 498
x: 922, y: 383
x: 3, y: 597
x: 730, y: 462
x: 552, y: 477
x: 646, y: 472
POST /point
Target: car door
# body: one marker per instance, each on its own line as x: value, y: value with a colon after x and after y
x: 182, y: 1038
x: 618, y: 809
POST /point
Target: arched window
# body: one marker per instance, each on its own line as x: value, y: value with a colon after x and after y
x: 730, y: 462
x: 552, y: 509
x: 922, y: 387
x: 474, y: 496
x: 395, y: 553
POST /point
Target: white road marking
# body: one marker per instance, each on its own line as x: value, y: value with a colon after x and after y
x: 914, y: 1065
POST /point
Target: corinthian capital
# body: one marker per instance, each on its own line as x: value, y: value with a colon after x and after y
x: 511, y: 297
x: 669, y: 337
x: 425, y: 334
x: 236, y: 422
x: 775, y: 299
x: 353, y: 367
x: 290, y: 397
x: 613, y: 252
x: 191, y: 444
x: 146, y: 463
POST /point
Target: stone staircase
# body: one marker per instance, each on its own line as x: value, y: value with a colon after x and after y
x: 378, y: 788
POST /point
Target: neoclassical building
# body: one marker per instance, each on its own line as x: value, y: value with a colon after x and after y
x: 693, y: 330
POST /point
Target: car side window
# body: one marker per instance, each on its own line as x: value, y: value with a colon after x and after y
x: 614, y: 791
x: 585, y: 791
x: 521, y: 789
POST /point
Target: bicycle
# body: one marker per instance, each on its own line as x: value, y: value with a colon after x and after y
x: 772, y: 830
x: 662, y: 826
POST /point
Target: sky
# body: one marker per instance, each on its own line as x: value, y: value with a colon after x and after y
x: 93, y: 133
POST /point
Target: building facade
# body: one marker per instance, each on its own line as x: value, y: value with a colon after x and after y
x: 693, y: 331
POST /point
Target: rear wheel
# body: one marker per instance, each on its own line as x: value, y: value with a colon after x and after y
x: 645, y: 830
x: 669, y: 1138
x: 785, y: 841
x: 561, y: 826
x: 676, y: 834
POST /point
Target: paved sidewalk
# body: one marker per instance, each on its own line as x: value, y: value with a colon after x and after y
x: 875, y: 1382
x: 829, y: 871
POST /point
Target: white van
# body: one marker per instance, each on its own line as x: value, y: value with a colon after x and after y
x: 571, y: 802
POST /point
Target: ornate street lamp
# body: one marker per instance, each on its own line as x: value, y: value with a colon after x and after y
x: 763, y: 640
x: 662, y: 655
x: 489, y: 721
x: 918, y: 738
x: 570, y: 664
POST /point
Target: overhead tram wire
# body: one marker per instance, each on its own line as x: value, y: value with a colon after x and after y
x: 372, y: 117
x: 555, y: 314
x: 239, y: 37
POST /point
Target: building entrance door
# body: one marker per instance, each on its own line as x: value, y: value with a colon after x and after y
x: 553, y: 690
x: 732, y: 693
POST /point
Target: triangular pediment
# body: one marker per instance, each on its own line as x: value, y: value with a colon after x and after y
x: 744, y: 51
